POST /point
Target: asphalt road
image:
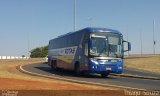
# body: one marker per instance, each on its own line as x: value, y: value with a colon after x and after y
x: 111, y: 80
x: 140, y: 73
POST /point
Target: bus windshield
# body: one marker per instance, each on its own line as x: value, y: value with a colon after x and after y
x: 106, y: 45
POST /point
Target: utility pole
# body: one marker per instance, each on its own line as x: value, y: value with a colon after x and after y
x: 154, y: 42
x: 90, y: 21
x: 127, y: 37
x: 28, y: 44
x: 74, y: 15
x: 141, y: 43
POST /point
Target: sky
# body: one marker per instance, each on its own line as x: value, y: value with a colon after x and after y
x: 27, y: 24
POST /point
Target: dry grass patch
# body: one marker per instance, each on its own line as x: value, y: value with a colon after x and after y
x: 150, y: 64
x: 8, y: 67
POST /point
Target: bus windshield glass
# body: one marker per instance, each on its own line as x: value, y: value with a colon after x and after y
x: 106, y: 45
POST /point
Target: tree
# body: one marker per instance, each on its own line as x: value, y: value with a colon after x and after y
x: 39, y: 52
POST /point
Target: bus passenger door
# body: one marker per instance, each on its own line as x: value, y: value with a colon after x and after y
x: 86, y: 50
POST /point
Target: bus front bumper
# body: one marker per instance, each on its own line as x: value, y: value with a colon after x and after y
x: 109, y: 67
x: 105, y: 69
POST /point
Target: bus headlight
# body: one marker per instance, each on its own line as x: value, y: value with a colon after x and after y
x: 94, y: 61
x: 120, y: 68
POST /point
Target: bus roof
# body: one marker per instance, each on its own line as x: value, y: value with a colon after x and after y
x: 93, y: 29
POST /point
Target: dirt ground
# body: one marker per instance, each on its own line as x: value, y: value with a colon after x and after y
x: 12, y: 80
x: 56, y: 88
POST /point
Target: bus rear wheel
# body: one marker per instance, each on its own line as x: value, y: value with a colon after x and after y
x: 54, y: 64
x: 77, y: 69
x: 103, y: 75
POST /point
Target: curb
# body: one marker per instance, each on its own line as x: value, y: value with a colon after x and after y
x: 136, y: 76
x: 20, y: 68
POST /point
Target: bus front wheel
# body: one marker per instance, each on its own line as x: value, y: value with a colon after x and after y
x: 103, y: 75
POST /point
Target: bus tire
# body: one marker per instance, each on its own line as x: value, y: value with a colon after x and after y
x: 54, y: 64
x: 77, y: 69
x: 103, y: 75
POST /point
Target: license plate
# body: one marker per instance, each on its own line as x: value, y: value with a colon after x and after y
x: 114, y: 60
x: 108, y: 69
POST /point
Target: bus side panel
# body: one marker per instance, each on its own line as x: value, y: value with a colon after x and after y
x: 64, y: 56
x: 66, y: 53
x: 61, y: 63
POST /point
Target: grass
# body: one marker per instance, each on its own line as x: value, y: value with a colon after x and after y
x: 148, y: 63
x: 7, y: 66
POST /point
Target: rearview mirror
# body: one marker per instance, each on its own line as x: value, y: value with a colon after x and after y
x: 128, y: 46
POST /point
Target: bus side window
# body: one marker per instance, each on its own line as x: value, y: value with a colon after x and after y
x: 86, y: 49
